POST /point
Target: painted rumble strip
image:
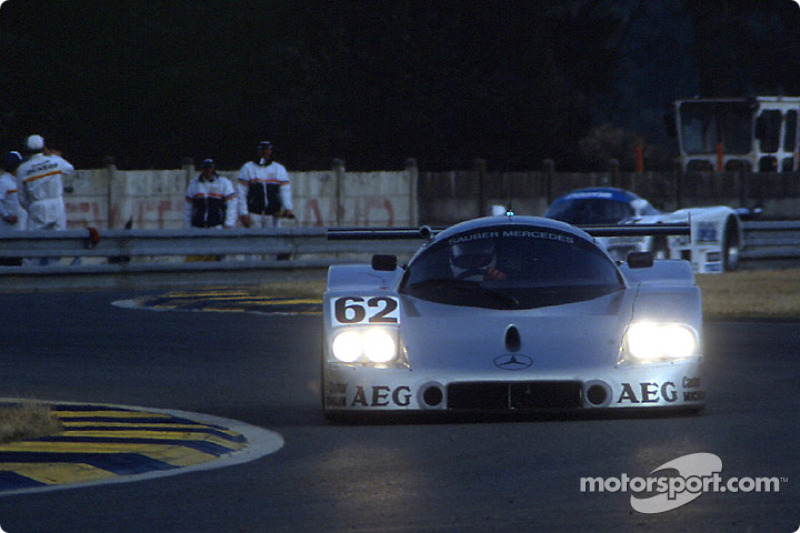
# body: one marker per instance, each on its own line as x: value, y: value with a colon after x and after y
x: 225, y: 300
x: 112, y: 444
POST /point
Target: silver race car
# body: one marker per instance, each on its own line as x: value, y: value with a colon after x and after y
x: 512, y: 314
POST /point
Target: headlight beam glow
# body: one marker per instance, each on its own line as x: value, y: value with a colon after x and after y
x: 374, y: 345
x: 379, y: 346
x: 347, y: 346
x: 659, y: 341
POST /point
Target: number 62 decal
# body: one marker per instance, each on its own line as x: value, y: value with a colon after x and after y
x: 361, y: 310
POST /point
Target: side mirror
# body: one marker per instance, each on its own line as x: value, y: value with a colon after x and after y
x: 641, y: 259
x: 384, y: 263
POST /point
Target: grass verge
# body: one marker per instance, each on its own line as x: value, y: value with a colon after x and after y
x: 751, y: 294
x: 26, y: 421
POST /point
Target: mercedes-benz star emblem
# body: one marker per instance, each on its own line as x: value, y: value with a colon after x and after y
x: 513, y: 362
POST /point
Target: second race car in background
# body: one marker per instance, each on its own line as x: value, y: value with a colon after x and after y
x: 716, y: 232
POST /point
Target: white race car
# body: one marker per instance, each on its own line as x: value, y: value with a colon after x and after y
x: 511, y: 314
x: 716, y: 232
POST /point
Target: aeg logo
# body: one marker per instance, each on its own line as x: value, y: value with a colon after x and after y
x: 381, y: 396
x: 374, y: 396
x: 651, y: 392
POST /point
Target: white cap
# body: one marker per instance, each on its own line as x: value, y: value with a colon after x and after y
x: 35, y: 143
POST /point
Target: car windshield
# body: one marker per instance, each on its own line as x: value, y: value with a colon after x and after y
x: 589, y: 210
x: 511, y: 267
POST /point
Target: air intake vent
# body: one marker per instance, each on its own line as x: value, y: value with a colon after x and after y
x: 513, y: 340
x: 514, y: 396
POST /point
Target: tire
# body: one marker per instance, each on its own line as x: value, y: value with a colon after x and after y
x: 731, y: 246
x: 322, y: 376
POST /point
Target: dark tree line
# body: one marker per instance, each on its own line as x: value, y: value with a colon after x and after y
x: 376, y: 82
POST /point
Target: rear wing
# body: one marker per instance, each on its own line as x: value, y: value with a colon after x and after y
x: 637, y: 230
x: 426, y: 232
x: 379, y: 234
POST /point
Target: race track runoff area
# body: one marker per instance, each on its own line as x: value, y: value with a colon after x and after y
x: 102, y: 442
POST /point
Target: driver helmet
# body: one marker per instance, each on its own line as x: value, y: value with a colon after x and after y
x: 474, y: 255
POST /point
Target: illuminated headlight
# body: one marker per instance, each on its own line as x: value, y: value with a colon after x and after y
x: 659, y: 341
x: 374, y: 345
x: 348, y: 346
x: 379, y: 346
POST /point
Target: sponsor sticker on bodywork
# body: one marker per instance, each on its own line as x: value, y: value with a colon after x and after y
x: 667, y: 392
x: 356, y: 310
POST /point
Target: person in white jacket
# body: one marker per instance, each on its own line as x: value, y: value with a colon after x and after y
x: 210, y: 199
x: 12, y: 216
x: 263, y: 190
x: 40, y: 186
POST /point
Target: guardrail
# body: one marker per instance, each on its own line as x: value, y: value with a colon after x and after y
x: 143, y: 259
x: 776, y: 240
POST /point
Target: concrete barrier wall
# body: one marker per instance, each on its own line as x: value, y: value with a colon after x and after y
x: 86, y: 198
x: 152, y: 199
x: 155, y: 199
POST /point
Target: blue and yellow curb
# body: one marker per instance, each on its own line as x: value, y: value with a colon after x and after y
x: 227, y: 300
x: 103, y: 442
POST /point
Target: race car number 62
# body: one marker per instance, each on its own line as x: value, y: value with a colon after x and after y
x: 357, y: 310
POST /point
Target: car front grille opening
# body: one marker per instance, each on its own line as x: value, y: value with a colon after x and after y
x: 514, y: 396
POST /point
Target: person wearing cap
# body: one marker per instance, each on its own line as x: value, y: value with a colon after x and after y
x: 12, y: 216
x: 263, y: 190
x: 210, y: 199
x: 40, y: 186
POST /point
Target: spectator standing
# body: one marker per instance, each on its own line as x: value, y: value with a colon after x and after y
x: 264, y: 191
x: 12, y: 216
x: 210, y: 199
x: 40, y: 186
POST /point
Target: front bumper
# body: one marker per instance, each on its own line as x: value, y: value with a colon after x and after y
x: 664, y: 385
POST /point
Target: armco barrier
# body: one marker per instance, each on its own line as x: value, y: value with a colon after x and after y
x: 142, y: 259
x: 771, y: 240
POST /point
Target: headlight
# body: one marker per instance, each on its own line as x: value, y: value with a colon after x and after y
x: 348, y: 346
x: 379, y: 346
x: 376, y: 345
x: 659, y: 341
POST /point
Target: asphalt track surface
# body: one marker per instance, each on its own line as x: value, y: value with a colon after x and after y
x: 462, y: 476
